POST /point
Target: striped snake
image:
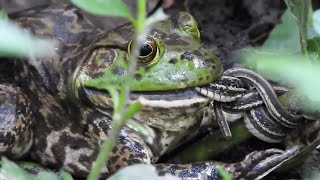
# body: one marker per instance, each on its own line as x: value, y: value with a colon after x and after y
x: 242, y: 90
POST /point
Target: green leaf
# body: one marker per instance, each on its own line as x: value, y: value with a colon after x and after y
x: 157, y: 16
x: 11, y: 170
x: 30, y: 165
x: 17, y: 42
x: 315, y: 175
x: 105, y: 7
x: 300, y: 12
x: 141, y: 172
x: 115, y: 98
x: 313, y: 47
x: 65, y: 175
x: 138, y: 128
x: 293, y: 69
x: 284, y: 37
x: 316, y: 21
x: 3, y: 15
x: 223, y: 173
x: 132, y: 110
x: 141, y: 16
x: 43, y: 175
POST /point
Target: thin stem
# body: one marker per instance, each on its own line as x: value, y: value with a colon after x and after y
x: 141, y: 15
x: 301, y: 18
x: 304, y: 24
x: 118, y: 118
x: 107, y: 147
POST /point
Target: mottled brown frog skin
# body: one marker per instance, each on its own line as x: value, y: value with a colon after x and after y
x: 54, y: 103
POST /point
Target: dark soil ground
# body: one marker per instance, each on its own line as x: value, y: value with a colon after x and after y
x: 229, y: 25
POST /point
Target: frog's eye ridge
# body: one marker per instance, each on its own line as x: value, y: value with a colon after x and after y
x: 148, y: 51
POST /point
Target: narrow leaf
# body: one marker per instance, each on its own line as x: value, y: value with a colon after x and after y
x: 303, y: 75
x: 158, y: 15
x: 47, y: 176
x: 3, y: 15
x: 138, y: 128
x: 141, y: 172
x: 223, y: 173
x: 11, y: 170
x: 300, y: 11
x: 284, y: 37
x: 132, y: 110
x: 316, y: 21
x: 105, y: 7
x: 65, y: 175
x: 313, y: 47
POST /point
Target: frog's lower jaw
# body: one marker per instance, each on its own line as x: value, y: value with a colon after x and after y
x: 166, y: 110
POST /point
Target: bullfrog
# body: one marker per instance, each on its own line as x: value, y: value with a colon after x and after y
x: 58, y: 111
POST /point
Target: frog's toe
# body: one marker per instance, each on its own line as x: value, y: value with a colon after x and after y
x: 271, y: 162
x: 258, y: 164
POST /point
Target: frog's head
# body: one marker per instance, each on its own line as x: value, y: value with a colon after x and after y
x: 171, y: 59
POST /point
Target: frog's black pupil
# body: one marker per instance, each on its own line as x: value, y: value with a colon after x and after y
x: 145, y: 50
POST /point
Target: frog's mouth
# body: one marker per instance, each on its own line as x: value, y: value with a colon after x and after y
x: 163, y: 99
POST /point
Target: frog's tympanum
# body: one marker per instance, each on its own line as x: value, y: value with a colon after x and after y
x: 59, y: 111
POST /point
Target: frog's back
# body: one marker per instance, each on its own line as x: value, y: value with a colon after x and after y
x: 59, y: 21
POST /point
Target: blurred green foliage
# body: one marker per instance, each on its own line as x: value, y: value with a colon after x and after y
x: 316, y: 21
x: 106, y: 8
x: 140, y: 172
x: 15, y: 42
x: 280, y: 59
x: 299, y: 10
x: 3, y: 15
x: 10, y: 170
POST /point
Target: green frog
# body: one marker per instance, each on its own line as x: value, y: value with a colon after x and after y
x: 58, y: 110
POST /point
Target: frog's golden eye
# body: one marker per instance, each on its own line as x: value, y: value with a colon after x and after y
x: 148, y: 51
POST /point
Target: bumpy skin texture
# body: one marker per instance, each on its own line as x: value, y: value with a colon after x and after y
x: 70, y: 113
x: 15, y: 121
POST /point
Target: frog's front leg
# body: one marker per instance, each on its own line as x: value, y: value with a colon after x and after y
x: 132, y: 149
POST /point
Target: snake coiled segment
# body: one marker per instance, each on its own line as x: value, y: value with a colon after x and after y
x: 244, y: 91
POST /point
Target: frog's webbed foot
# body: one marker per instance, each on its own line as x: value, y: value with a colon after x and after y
x: 190, y: 171
x: 258, y: 164
x: 131, y: 149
